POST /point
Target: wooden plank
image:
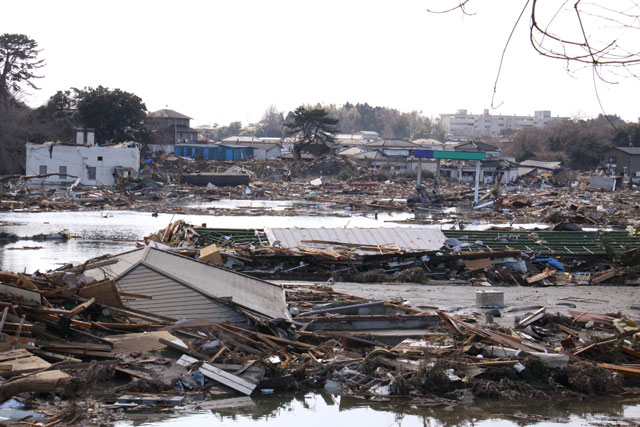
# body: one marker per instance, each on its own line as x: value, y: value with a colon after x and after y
x: 585, y: 316
x: 626, y: 371
x: 81, y: 307
x: 241, y: 336
x: 14, y: 354
x: 186, y: 361
x: 274, y: 338
x: 91, y: 353
x: 133, y: 373
x: 476, y: 264
x: 143, y: 342
x: 540, y: 276
x: 104, y: 292
x: 605, y: 275
x: 55, y: 356
x: 78, y: 345
x: 597, y: 344
x: 182, y: 348
x: 630, y: 352
x: 230, y: 380
x: 497, y: 337
x: 532, y: 318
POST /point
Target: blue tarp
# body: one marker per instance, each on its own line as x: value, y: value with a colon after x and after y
x: 552, y: 262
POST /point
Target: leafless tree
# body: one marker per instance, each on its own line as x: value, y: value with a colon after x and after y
x: 601, y: 34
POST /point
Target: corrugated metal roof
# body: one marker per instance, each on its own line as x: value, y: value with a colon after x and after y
x: 172, y: 298
x: 258, y: 295
x: 407, y: 239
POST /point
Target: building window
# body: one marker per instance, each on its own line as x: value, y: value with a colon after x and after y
x: 99, y: 158
x: 612, y: 159
x: 43, y: 169
x: 91, y: 172
x: 62, y: 170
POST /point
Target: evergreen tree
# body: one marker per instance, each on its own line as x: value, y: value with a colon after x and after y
x: 313, y: 129
x: 18, y: 64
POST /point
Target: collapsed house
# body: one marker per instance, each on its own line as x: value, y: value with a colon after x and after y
x: 183, y: 288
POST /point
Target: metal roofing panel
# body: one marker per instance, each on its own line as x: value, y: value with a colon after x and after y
x: 407, y: 239
x: 258, y: 295
x: 172, y: 298
x: 126, y: 260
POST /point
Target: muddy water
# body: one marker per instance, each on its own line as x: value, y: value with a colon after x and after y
x: 322, y: 410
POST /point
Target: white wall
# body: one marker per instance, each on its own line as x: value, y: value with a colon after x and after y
x: 262, y: 154
x: 164, y: 148
x: 77, y: 159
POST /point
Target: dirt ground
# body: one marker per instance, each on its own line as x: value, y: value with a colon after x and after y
x: 462, y: 298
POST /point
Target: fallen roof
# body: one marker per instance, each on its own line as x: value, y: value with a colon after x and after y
x: 173, y: 297
x: 405, y: 239
x: 541, y: 164
x: 263, y: 297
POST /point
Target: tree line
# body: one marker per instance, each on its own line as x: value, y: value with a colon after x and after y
x: 120, y: 116
x: 579, y: 143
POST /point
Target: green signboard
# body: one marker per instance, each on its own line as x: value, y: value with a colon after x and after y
x: 458, y: 155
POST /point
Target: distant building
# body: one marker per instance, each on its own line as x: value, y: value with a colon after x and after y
x: 430, y: 144
x: 461, y: 125
x: 392, y: 147
x: 623, y: 161
x: 479, y: 147
x: 263, y: 148
x: 537, y: 166
x: 363, y: 135
x: 94, y: 165
x: 213, y: 151
x: 168, y: 128
x: 490, y: 171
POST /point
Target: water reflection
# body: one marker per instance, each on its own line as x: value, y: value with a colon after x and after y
x: 322, y: 409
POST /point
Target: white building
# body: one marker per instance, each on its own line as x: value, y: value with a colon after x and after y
x: 263, y: 148
x: 461, y: 125
x: 94, y: 165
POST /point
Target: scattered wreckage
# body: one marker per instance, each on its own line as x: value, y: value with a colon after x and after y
x: 195, y: 312
x: 64, y: 330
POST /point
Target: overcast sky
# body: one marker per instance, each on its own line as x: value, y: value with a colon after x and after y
x: 219, y: 61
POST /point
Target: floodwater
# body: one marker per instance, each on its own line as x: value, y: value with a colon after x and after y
x: 323, y: 409
x: 98, y: 233
x: 110, y: 232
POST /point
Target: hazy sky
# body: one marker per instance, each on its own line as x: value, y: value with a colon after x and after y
x: 219, y: 61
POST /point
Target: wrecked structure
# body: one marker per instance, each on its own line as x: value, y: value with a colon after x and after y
x: 203, y: 312
x: 93, y: 165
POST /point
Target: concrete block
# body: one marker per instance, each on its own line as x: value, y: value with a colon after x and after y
x: 490, y: 298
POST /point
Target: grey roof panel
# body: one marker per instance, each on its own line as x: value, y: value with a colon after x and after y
x: 258, y: 295
x: 171, y: 298
x: 407, y: 239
